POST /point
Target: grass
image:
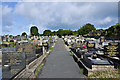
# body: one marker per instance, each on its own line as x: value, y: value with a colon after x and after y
x: 5, y: 43
x: 81, y: 70
x: 14, y: 46
x: 105, y: 74
x: 54, y: 41
x: 10, y: 42
x: 47, y: 54
x: 50, y: 38
x: 39, y: 69
x: 118, y: 69
x: 71, y: 53
x: 51, y: 48
x: 30, y: 41
x: 63, y: 41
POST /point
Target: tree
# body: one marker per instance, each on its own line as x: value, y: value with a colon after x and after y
x: 113, y: 30
x: 24, y: 34
x: 34, y: 31
x: 67, y: 32
x: 60, y: 33
x: 86, y: 29
x: 47, y: 33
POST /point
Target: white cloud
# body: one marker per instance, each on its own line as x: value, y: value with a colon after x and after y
x: 66, y: 15
x: 0, y: 19
x: 60, y: 0
x: 7, y: 28
x: 49, y: 14
x: 6, y: 10
x: 7, y: 18
x: 106, y: 20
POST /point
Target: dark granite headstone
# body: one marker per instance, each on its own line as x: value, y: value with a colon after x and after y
x: 46, y: 46
x: 112, y: 50
x: 39, y: 50
x: 90, y: 45
x: 12, y: 63
x: 29, y: 50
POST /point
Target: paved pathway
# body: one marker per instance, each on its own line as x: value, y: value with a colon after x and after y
x: 60, y: 64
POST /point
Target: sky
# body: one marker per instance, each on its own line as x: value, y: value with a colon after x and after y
x: 18, y: 17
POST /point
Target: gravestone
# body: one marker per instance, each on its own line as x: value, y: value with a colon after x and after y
x: 29, y: 50
x: 102, y: 39
x: 19, y: 48
x: 12, y: 63
x: 39, y: 50
x: 112, y: 50
x: 46, y: 46
x: 90, y: 45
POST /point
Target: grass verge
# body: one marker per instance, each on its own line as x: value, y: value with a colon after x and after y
x: 39, y: 69
x: 105, y: 74
x: 51, y: 48
x: 71, y: 53
x: 30, y: 41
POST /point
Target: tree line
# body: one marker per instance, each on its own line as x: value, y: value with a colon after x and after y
x: 86, y: 30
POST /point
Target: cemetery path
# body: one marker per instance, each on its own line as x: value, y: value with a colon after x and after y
x: 60, y: 64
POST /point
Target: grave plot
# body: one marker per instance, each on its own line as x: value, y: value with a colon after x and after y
x: 29, y: 50
x: 87, y: 54
x: 12, y: 63
x: 93, y: 61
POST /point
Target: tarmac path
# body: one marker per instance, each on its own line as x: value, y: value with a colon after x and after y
x: 59, y: 64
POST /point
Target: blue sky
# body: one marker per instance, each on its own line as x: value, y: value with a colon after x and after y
x: 18, y: 17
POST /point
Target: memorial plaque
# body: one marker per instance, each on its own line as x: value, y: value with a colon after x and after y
x: 112, y: 50
x: 12, y: 63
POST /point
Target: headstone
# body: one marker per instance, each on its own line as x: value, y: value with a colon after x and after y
x: 112, y: 50
x: 29, y: 50
x: 39, y: 50
x: 12, y: 63
x: 90, y: 45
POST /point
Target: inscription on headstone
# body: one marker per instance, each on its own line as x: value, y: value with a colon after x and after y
x: 15, y: 61
x: 91, y: 45
x: 112, y: 49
